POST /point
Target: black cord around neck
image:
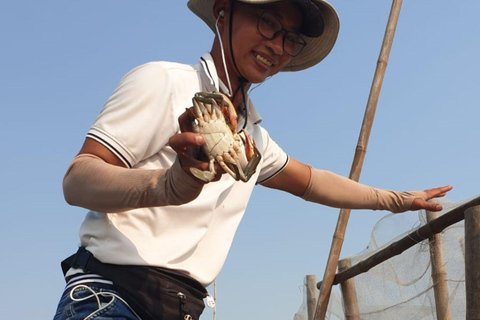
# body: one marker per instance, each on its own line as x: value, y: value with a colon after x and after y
x: 241, y: 79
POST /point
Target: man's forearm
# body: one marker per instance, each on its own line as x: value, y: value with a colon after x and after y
x: 333, y: 190
x: 92, y: 183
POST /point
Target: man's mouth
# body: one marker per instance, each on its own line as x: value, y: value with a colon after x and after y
x: 264, y: 60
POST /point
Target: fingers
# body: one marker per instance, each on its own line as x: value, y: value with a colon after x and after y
x: 185, y: 121
x: 438, y: 192
x: 186, y: 145
x: 432, y: 206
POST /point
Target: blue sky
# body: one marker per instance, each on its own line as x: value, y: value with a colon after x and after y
x: 60, y: 60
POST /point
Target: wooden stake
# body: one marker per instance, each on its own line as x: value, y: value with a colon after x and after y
x: 439, y: 274
x: 358, y: 159
x: 311, y: 282
x: 472, y: 262
x: 349, y: 293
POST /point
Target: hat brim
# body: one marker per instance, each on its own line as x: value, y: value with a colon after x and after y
x: 316, y: 49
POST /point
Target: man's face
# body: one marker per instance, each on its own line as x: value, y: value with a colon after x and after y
x: 256, y: 56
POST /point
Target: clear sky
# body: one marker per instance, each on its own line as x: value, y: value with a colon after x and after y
x: 60, y: 60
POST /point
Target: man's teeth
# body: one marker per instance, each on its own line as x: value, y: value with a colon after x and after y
x: 264, y: 61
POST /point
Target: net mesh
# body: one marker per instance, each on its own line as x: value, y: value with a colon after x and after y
x: 402, y: 287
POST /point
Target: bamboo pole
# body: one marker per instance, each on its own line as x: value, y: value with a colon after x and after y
x: 357, y: 164
x: 472, y: 262
x: 438, y: 225
x: 439, y: 274
x: 311, y: 282
x: 349, y: 294
x: 215, y: 299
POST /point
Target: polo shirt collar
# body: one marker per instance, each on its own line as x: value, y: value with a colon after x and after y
x: 213, y: 83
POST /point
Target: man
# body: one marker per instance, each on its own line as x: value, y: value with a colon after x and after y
x: 156, y: 235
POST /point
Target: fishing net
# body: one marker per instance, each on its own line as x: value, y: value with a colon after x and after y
x: 402, y: 287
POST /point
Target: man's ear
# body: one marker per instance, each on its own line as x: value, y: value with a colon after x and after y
x: 220, y: 8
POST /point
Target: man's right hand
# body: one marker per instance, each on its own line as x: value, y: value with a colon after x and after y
x: 187, y: 145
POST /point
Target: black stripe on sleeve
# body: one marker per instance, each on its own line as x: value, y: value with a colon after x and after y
x: 275, y: 173
x: 110, y: 147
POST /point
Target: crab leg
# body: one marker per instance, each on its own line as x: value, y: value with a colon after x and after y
x: 227, y: 107
x: 224, y: 166
x: 198, y: 113
x: 206, y: 104
x: 206, y: 176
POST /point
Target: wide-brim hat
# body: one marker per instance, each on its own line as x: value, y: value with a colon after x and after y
x: 318, y: 16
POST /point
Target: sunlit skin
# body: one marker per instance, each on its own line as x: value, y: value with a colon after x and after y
x: 247, y: 43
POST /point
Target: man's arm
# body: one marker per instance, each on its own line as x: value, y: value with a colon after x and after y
x: 98, y: 180
x: 329, y: 189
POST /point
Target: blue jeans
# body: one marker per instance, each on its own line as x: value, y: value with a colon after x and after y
x: 93, y: 301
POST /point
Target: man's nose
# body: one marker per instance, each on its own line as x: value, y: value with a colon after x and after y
x: 276, y: 44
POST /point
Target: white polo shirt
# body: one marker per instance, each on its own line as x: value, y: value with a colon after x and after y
x: 136, y: 124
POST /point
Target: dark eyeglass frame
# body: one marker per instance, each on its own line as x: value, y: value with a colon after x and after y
x: 302, y: 42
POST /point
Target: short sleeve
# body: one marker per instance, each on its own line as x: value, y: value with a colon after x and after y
x: 274, y: 158
x: 138, y: 118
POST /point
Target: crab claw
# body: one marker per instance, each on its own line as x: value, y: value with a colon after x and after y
x: 249, y: 145
x: 229, y: 113
x: 251, y: 156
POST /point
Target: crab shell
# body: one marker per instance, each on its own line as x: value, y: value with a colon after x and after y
x: 216, y: 120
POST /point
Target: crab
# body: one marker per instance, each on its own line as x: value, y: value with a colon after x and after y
x: 214, y: 117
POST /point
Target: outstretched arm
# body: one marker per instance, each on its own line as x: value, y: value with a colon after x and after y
x: 332, y: 190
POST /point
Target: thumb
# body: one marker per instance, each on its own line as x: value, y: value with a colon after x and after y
x: 419, y: 203
x: 181, y: 141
